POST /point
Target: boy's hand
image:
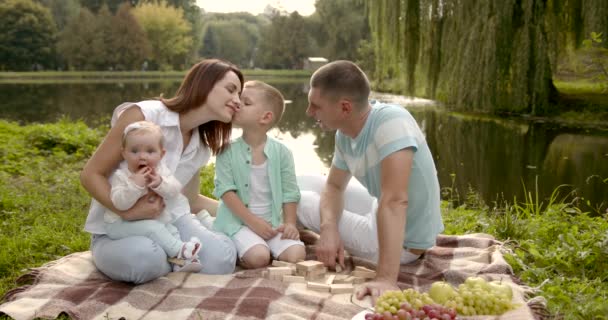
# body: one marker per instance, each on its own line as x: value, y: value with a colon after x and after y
x: 289, y: 231
x: 262, y: 228
x: 140, y: 177
x: 154, y: 179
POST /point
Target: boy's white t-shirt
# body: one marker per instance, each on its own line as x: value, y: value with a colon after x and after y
x: 260, y: 201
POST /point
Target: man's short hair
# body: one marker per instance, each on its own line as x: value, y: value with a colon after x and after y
x: 273, y: 99
x: 340, y: 79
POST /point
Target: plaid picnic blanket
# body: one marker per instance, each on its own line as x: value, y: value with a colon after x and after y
x: 73, y: 286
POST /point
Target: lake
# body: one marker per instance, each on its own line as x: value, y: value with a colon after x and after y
x: 493, y: 157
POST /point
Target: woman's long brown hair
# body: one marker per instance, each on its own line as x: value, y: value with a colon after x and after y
x: 193, y: 93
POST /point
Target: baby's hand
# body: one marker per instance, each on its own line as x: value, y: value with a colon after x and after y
x: 289, y: 231
x: 154, y: 179
x: 140, y: 177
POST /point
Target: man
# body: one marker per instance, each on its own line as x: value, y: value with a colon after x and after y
x: 385, y: 150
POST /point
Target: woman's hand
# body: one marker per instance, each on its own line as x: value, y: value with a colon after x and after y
x: 261, y: 228
x: 150, y: 206
x: 289, y: 231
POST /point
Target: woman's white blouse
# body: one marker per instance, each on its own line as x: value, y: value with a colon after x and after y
x: 183, y: 165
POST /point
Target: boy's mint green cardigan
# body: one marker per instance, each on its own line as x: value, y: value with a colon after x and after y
x: 233, y: 172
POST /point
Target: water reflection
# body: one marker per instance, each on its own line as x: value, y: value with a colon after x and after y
x: 492, y: 156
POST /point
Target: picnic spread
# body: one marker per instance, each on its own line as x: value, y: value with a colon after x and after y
x: 73, y: 286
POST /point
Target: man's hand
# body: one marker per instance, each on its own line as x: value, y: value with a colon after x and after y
x: 375, y: 289
x: 289, y: 231
x: 261, y: 228
x: 329, y: 246
x: 149, y: 206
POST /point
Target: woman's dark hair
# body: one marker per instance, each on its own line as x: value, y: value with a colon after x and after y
x: 193, y: 93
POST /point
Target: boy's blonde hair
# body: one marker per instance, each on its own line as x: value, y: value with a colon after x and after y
x: 141, y: 127
x: 273, y: 99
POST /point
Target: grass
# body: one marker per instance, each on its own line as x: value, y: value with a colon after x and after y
x: 550, y: 244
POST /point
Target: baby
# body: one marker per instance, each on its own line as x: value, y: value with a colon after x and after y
x: 141, y: 172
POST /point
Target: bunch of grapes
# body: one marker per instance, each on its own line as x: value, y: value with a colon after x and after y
x: 407, y: 312
x: 479, y: 298
x: 392, y: 300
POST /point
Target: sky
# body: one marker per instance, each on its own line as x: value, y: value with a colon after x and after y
x: 304, y: 7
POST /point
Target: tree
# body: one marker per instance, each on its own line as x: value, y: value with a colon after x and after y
x: 284, y: 43
x: 95, y: 5
x: 62, y: 10
x: 27, y: 34
x: 75, y: 41
x: 129, y: 42
x: 167, y: 32
x: 232, y: 40
x: 339, y: 27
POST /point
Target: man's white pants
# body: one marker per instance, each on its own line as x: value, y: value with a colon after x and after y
x: 358, y: 225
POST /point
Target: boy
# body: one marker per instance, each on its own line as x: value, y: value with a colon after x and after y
x: 255, y: 180
x: 141, y: 171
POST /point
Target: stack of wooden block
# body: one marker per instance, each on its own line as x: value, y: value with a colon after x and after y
x: 316, y: 277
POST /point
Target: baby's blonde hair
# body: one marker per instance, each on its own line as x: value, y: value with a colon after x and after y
x: 273, y: 99
x: 140, y: 127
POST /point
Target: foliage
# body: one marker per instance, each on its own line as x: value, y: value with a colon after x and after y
x: 42, y: 206
x: 27, y: 34
x: 114, y: 41
x: 552, y: 246
x: 168, y: 33
x: 129, y: 43
x: 233, y: 40
x: 284, y: 50
x: 62, y: 11
x: 339, y: 27
x: 481, y: 56
x: 78, y: 31
x: 598, y: 57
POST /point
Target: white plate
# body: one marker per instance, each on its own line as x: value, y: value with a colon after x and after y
x: 361, y: 315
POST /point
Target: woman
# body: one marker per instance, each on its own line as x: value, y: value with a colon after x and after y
x: 195, y: 123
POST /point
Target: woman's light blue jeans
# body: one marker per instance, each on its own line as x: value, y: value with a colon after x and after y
x: 138, y: 259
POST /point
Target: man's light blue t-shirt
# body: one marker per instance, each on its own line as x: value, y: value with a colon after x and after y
x: 390, y: 128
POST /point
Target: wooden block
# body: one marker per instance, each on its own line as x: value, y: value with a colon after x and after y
x: 340, y: 278
x: 316, y: 272
x: 330, y: 279
x: 297, y: 279
x: 309, y: 265
x: 364, y: 274
x: 341, y: 288
x: 317, y: 286
x: 355, y: 280
x: 277, y: 263
x: 280, y: 271
x: 360, y: 268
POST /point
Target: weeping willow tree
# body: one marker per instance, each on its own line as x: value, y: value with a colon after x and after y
x: 480, y: 55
